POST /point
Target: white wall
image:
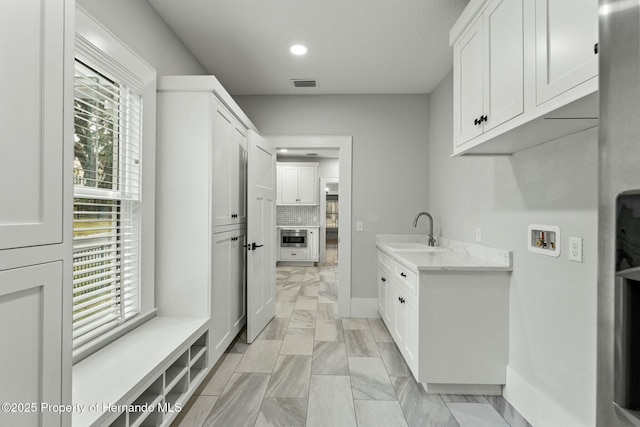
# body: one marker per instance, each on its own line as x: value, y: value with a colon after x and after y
x: 138, y: 25
x: 552, y: 355
x: 390, y: 152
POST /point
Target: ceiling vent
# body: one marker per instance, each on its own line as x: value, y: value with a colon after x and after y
x: 312, y: 154
x: 305, y: 82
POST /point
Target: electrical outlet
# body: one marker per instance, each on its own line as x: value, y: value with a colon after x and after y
x: 478, y: 234
x: 575, y: 249
x: 359, y: 226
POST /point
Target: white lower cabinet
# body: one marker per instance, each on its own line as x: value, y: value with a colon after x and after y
x: 308, y: 254
x: 228, y: 289
x: 451, y: 327
x: 30, y: 301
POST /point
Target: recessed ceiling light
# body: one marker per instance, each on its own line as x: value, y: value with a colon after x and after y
x: 283, y: 150
x: 298, y: 49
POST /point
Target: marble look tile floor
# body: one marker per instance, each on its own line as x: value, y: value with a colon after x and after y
x: 309, y: 368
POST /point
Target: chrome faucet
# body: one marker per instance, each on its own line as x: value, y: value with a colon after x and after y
x: 432, y: 241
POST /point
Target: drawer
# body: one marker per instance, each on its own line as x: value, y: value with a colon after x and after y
x: 293, y: 254
x: 405, y: 276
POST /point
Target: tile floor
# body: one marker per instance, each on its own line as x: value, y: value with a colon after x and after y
x: 311, y: 368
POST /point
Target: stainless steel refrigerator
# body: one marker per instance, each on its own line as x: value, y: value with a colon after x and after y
x: 618, y: 390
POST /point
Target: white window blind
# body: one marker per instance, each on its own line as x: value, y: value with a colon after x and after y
x: 107, y: 196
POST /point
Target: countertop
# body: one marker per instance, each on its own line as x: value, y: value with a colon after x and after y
x: 458, y: 256
x: 297, y: 226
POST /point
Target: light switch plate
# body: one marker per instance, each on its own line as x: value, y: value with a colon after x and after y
x: 359, y: 226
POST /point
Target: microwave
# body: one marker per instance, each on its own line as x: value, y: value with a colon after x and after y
x: 293, y: 238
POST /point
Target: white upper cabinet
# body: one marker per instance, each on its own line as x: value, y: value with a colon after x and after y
x: 297, y: 183
x: 31, y: 162
x: 488, y: 71
x: 504, y: 68
x: 229, y: 167
x: 525, y: 72
x: 566, y: 35
x: 468, y: 91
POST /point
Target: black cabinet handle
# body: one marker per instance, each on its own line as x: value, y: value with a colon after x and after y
x: 483, y: 119
x: 476, y: 122
x: 403, y: 275
x: 254, y: 246
x: 401, y: 300
x: 595, y: 48
x: 383, y: 279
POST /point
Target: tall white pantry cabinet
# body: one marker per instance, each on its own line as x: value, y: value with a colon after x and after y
x: 36, y: 104
x: 201, y: 206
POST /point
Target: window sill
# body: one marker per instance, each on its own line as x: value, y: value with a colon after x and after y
x: 117, y: 372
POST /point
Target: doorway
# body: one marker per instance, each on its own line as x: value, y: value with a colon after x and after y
x: 329, y: 219
x: 344, y: 146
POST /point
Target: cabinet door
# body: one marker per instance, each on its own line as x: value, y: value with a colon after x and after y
x: 31, y: 337
x: 468, y: 84
x: 399, y: 318
x: 237, y: 282
x: 222, y: 165
x: 238, y: 174
x: 504, y: 66
x: 221, y: 276
x: 566, y: 32
x: 31, y: 162
x: 410, y: 308
x: 289, y: 185
x: 382, y: 292
x: 312, y: 245
x: 307, y: 185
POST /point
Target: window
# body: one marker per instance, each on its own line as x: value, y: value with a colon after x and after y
x: 107, y: 214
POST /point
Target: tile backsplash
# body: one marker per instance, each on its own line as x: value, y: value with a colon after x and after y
x: 288, y: 215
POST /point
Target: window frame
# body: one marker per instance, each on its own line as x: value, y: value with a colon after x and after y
x: 99, y: 49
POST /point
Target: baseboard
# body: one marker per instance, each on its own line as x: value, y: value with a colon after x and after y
x: 538, y: 408
x: 364, y: 307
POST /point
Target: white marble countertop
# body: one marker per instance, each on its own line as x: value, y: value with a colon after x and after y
x: 454, y: 255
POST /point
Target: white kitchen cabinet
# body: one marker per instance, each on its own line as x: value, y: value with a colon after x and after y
x: 31, y: 336
x: 36, y: 190
x: 200, y: 258
x: 228, y: 289
x: 566, y: 35
x: 451, y: 327
x: 229, y: 167
x: 525, y: 73
x: 312, y: 244
x: 31, y: 162
x: 297, y: 183
x: 308, y: 254
x: 488, y: 70
x: 293, y: 254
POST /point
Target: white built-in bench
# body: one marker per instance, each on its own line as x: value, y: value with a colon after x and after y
x: 160, y: 364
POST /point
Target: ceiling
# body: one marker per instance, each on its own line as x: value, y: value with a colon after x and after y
x: 355, y: 46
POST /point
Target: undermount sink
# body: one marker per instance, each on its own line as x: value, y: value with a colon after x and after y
x: 413, y: 247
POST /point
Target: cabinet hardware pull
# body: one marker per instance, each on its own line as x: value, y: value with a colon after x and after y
x: 476, y: 122
x: 595, y: 48
x: 403, y: 275
x: 483, y: 119
x: 254, y: 246
x: 399, y: 299
x: 383, y: 279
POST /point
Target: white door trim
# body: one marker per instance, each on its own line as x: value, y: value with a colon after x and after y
x: 344, y: 144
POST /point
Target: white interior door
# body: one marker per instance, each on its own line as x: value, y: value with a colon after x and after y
x: 261, y: 232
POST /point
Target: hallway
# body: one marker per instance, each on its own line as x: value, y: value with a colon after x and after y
x: 309, y: 367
